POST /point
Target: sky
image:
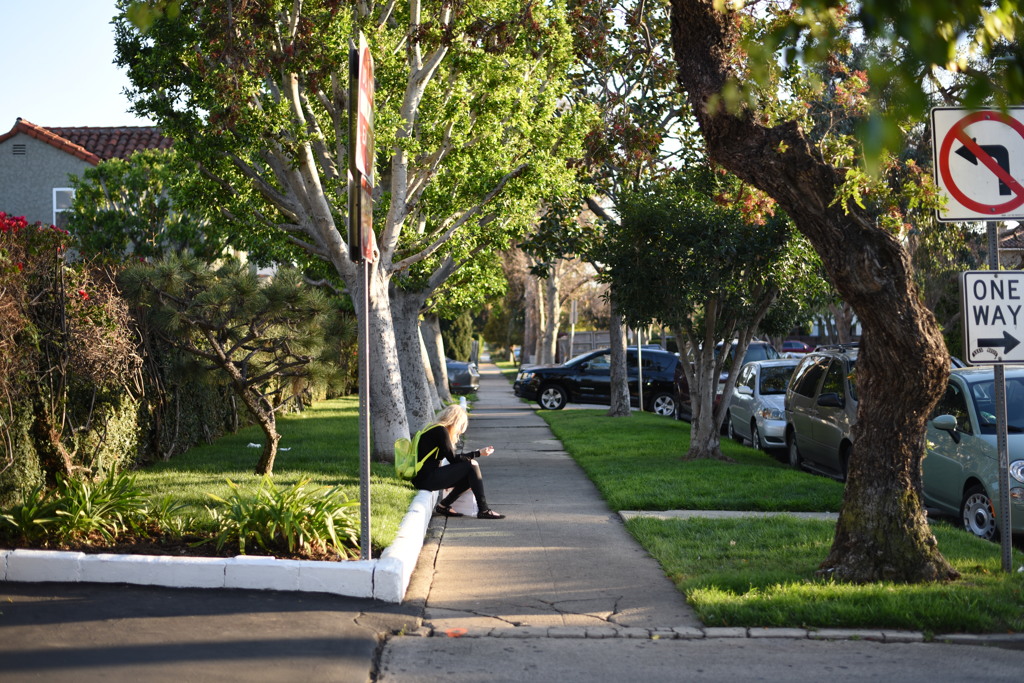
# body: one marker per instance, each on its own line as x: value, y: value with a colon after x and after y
x: 59, y: 70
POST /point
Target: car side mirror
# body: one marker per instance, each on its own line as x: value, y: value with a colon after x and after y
x: 831, y: 400
x: 584, y: 366
x: 745, y: 390
x: 947, y: 423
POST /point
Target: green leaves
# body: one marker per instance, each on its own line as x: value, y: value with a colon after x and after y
x: 679, y: 246
x: 298, y: 517
x: 75, y: 510
x: 966, y: 51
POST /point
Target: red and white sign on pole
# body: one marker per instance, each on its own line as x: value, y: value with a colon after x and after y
x: 362, y: 244
x: 979, y: 163
x: 364, y: 112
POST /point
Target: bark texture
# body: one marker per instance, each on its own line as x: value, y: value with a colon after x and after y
x: 882, y: 533
x: 619, y: 405
x: 405, y: 313
x: 430, y: 329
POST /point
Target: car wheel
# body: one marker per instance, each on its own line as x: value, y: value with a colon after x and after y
x: 663, y: 404
x: 844, y: 460
x: 794, y: 453
x: 755, y: 437
x: 730, y: 429
x: 978, y: 514
x: 552, y: 397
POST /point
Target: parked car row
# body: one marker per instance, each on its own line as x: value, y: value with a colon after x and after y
x: 805, y: 410
x: 960, y: 475
x: 756, y: 350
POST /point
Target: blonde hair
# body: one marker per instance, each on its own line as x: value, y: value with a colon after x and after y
x: 454, y: 419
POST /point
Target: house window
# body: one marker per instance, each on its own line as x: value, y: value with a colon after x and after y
x: 18, y: 150
x: 62, y: 197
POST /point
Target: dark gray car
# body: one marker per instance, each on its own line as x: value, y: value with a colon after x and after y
x: 821, y: 409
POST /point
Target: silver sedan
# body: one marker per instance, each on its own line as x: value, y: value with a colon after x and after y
x: 756, y: 405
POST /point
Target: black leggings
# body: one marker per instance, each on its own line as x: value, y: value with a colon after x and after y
x: 458, y: 476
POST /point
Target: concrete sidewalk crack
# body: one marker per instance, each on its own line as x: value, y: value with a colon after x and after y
x: 566, y: 610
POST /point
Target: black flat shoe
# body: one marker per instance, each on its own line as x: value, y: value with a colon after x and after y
x: 447, y: 511
x: 489, y: 514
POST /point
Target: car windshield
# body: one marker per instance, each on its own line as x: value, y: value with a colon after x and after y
x: 984, y: 397
x: 578, y: 359
x: 775, y: 378
x: 756, y: 351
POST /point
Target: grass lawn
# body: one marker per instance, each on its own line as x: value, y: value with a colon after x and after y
x: 611, y: 456
x: 322, y: 445
x: 761, y: 572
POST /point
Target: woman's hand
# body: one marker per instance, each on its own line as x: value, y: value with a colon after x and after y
x: 486, y: 450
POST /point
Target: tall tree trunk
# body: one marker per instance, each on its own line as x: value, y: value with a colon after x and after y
x: 387, y: 403
x: 541, y: 320
x: 428, y: 373
x: 530, y: 312
x: 405, y: 312
x: 619, y: 378
x: 549, y: 337
x: 430, y: 329
x: 882, y: 533
x: 842, y: 314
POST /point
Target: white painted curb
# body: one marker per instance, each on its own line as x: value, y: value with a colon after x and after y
x: 384, y: 579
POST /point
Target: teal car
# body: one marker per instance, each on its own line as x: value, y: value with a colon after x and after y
x: 960, y: 469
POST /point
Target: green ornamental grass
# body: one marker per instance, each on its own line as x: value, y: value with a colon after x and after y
x: 210, y: 491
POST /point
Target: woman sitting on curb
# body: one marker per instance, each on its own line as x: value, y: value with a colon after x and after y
x: 462, y: 471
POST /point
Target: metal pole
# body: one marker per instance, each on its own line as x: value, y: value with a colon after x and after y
x: 364, y: 420
x: 1002, y: 447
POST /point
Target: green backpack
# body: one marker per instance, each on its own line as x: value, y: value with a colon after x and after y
x: 406, y: 464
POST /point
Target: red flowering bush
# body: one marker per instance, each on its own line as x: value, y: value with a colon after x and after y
x: 68, y: 362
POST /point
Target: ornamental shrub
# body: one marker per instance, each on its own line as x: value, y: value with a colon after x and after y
x: 69, y: 370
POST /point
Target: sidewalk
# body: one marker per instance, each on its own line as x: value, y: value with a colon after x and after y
x: 559, y: 590
x: 559, y: 559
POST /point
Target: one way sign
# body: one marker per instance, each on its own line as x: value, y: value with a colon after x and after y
x: 993, y: 313
x: 979, y: 163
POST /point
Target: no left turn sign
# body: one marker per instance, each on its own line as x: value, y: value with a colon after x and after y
x: 979, y: 163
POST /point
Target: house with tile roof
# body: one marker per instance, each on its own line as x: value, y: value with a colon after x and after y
x: 35, y: 162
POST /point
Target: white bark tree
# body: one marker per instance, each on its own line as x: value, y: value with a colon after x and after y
x: 468, y: 128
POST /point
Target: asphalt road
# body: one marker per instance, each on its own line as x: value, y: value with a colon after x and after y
x: 98, y: 632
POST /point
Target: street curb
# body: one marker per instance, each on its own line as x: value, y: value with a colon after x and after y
x: 1006, y: 640
x: 385, y: 579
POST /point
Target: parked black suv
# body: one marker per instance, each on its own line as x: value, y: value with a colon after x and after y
x: 821, y: 409
x: 587, y: 379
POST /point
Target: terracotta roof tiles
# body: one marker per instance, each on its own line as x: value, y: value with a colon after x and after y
x: 94, y: 144
x: 1013, y: 241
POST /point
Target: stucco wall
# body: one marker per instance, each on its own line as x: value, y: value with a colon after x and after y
x: 27, y: 181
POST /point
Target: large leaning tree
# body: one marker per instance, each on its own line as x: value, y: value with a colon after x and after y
x: 469, y: 126
x: 882, y: 533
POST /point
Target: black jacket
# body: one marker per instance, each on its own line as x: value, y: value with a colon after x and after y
x: 437, y: 438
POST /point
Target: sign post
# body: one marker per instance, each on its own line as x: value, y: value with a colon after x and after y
x: 979, y: 164
x: 362, y: 250
x: 993, y: 314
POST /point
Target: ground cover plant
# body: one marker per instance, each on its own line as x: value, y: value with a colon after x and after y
x: 202, y: 501
x: 763, y: 572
